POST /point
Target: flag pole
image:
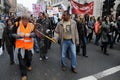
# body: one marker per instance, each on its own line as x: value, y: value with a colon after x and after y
x: 46, y: 36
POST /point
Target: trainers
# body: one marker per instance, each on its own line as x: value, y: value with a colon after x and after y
x: 46, y: 57
x: 29, y: 68
x: 74, y: 70
x: 85, y: 56
x: 24, y: 78
x: 41, y: 59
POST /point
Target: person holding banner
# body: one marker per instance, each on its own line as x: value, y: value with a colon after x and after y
x: 44, y: 43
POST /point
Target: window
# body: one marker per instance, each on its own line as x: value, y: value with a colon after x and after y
x: 0, y: 1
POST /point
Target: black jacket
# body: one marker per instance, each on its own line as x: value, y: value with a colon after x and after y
x: 7, y: 36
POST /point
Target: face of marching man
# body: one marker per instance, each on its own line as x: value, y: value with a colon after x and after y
x: 41, y: 15
x: 25, y: 20
x: 66, y: 16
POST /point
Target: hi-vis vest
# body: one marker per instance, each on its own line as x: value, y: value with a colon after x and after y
x: 26, y: 42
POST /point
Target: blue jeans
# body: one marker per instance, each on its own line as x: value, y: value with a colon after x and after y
x: 97, y: 39
x: 72, y: 51
x: 36, y: 47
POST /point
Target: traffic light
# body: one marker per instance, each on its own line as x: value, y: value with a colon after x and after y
x: 107, y: 6
x: 111, y: 3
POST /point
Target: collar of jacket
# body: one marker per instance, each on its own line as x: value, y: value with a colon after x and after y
x: 71, y: 22
x: 43, y: 20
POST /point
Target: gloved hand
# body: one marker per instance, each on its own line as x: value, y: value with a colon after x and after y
x: 47, y: 31
x: 21, y: 35
x: 16, y: 36
x: 32, y: 35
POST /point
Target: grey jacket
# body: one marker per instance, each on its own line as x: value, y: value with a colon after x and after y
x: 105, y: 31
x: 2, y: 26
x: 58, y: 33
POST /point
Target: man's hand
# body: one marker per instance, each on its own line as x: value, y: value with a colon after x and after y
x: 22, y: 35
x: 53, y: 40
x: 27, y: 35
x: 48, y: 31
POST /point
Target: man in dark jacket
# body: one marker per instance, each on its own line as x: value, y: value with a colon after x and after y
x: 44, y: 43
x: 118, y: 24
x: 117, y: 31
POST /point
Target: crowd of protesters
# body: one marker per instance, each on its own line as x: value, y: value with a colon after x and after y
x: 26, y: 35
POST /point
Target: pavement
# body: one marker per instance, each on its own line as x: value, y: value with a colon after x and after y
x: 90, y: 68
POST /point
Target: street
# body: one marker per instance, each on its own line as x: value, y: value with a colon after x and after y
x: 51, y: 69
x: 69, y: 21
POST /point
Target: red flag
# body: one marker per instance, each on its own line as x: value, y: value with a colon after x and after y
x: 78, y: 8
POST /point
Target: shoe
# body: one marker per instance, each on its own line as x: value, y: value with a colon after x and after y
x: 74, y: 70
x: 24, y: 78
x: 46, y: 58
x: 41, y: 59
x: 29, y: 68
x: 85, y: 56
x: 111, y: 47
x: 11, y: 62
x: 64, y: 68
x: 106, y: 54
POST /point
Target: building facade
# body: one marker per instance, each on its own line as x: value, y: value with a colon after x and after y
x: 21, y: 10
x: 7, y: 6
x: 13, y: 4
x: 1, y: 6
x: 117, y: 8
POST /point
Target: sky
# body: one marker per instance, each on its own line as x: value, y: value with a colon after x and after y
x: 27, y: 3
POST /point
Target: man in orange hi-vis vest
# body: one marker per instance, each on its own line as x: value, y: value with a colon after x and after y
x: 24, y: 45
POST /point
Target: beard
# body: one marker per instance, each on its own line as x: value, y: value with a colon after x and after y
x: 66, y: 19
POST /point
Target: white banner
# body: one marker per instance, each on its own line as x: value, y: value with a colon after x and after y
x: 50, y: 13
x: 19, y: 14
x: 55, y: 10
x: 41, y: 7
